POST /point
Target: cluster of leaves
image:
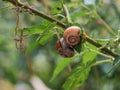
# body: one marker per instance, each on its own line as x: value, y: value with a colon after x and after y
x: 85, y: 16
x: 46, y: 32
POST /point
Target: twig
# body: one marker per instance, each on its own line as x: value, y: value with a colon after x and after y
x: 35, y: 11
x: 66, y: 13
x: 29, y: 64
x: 103, y: 61
x: 105, y: 24
x: 57, y: 34
x: 69, y: 68
x: 48, y: 17
x: 16, y: 28
x: 17, y: 20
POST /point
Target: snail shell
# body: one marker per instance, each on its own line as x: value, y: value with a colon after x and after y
x: 67, y: 52
x: 61, y: 44
x: 63, y: 49
x: 72, y: 35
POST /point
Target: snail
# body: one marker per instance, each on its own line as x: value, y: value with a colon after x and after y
x: 72, y: 35
x: 63, y: 49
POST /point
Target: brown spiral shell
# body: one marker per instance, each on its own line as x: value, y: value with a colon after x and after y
x: 63, y: 49
x: 67, y: 52
x: 72, y: 35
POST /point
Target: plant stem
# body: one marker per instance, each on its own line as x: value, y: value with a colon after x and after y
x: 69, y: 68
x: 84, y: 6
x: 67, y: 14
x: 35, y: 11
x: 101, y: 53
x: 104, y: 23
x: 103, y: 61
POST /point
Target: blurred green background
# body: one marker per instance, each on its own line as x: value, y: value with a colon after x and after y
x: 15, y: 68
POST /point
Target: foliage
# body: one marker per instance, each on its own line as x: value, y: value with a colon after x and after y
x: 99, y: 19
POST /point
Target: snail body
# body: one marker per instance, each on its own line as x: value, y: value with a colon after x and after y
x: 72, y: 35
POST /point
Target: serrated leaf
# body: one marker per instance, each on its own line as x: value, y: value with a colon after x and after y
x: 89, y: 56
x: 36, y: 29
x: 47, y: 34
x: 61, y: 65
x: 78, y: 76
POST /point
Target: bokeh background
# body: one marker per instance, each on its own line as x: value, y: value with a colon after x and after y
x: 15, y: 66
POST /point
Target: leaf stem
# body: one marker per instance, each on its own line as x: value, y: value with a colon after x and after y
x: 66, y: 12
x: 84, y: 6
x: 104, y: 23
x: 102, y: 54
x: 103, y: 61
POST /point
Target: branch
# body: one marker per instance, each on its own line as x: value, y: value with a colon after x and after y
x: 48, y: 17
x: 35, y: 11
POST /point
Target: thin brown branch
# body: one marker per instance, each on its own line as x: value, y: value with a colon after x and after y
x: 29, y: 64
x: 35, y: 11
x: 48, y: 17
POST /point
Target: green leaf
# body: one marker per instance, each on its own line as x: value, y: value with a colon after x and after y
x: 61, y: 65
x: 36, y: 29
x: 56, y: 8
x: 78, y: 76
x: 47, y: 34
x: 89, y: 56
x: 32, y: 47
